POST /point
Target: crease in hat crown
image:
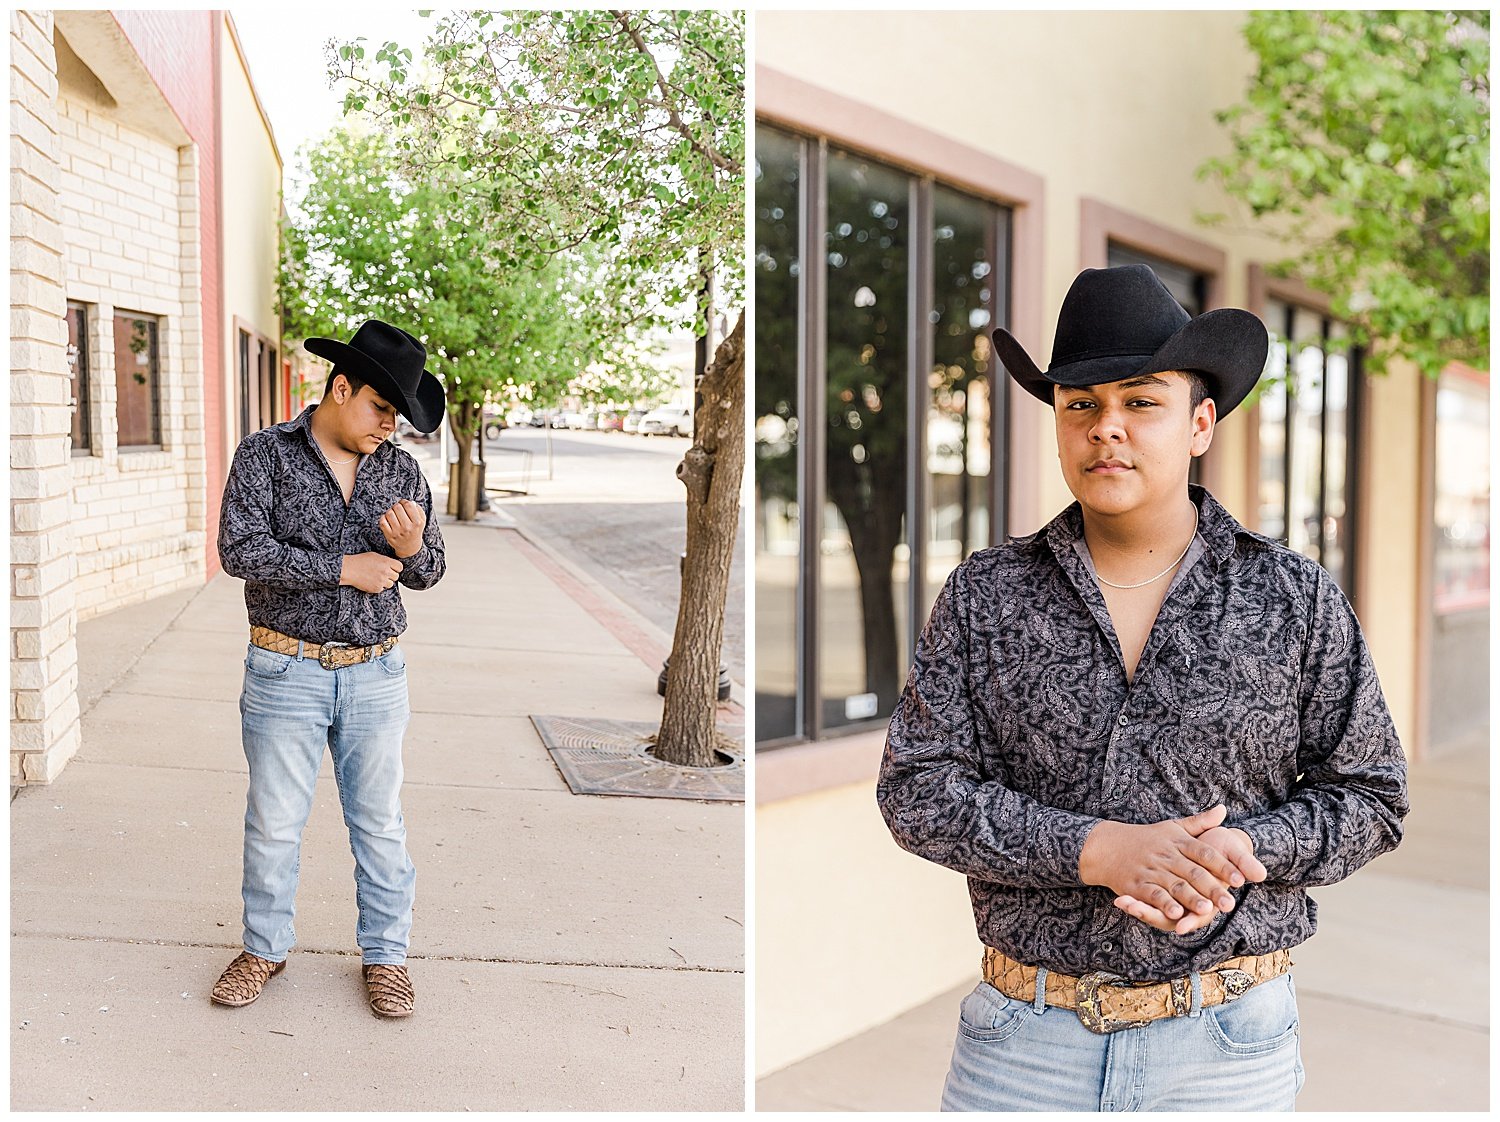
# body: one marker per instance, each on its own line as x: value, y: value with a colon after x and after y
x: 1121, y: 322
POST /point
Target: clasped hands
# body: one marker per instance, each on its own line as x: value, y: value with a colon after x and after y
x: 402, y: 526
x: 1174, y: 875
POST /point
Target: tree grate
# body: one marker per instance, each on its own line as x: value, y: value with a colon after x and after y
x: 604, y: 756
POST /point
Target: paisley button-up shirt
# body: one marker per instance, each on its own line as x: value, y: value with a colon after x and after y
x: 1017, y: 732
x: 285, y: 529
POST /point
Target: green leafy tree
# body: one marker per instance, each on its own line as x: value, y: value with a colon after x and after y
x: 1364, y: 139
x: 363, y: 240
x: 624, y: 131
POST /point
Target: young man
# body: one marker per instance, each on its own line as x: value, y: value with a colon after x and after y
x: 323, y: 518
x: 1142, y: 732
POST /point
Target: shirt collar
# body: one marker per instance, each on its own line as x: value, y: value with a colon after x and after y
x: 1217, y: 527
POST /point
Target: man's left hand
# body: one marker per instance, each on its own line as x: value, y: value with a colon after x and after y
x: 402, y: 526
x: 1234, y: 844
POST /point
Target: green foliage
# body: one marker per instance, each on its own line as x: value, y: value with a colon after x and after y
x: 1364, y: 140
x: 364, y: 241
x: 619, y: 130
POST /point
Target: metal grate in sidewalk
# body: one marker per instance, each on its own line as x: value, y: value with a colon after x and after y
x: 603, y: 756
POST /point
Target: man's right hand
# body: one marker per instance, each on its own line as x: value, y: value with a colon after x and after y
x: 1169, y: 866
x: 369, y: 572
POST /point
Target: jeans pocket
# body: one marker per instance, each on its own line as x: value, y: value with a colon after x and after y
x: 1264, y: 1020
x: 393, y: 662
x: 988, y: 1016
x: 266, y: 664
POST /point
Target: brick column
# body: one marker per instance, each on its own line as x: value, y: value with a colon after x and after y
x: 44, y: 655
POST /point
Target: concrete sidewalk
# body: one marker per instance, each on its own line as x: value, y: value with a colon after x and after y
x: 569, y: 952
x: 1393, y: 990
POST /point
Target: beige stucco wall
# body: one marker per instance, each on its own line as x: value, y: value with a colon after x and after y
x: 849, y: 930
x: 129, y: 216
x: 250, y: 183
x: 1115, y: 106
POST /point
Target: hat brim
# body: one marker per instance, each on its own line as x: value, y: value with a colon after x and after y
x: 1227, y: 346
x: 424, y: 409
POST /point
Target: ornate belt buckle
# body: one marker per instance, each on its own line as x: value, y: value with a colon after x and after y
x: 1237, y: 982
x: 326, y: 655
x: 1091, y: 1009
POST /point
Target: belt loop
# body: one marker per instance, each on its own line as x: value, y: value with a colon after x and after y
x: 299, y: 650
x: 1196, y: 1008
x: 1039, y: 1002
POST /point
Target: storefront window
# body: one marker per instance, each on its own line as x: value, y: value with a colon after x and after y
x: 778, y: 175
x: 887, y: 332
x: 1461, y: 569
x: 1306, y: 428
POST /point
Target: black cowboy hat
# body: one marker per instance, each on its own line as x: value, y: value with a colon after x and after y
x: 392, y: 362
x: 1121, y: 322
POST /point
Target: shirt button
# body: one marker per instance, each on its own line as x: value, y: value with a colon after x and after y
x: 1107, y: 945
x: 1124, y: 720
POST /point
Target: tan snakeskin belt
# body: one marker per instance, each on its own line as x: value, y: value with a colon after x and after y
x: 330, y: 656
x: 1107, y: 1003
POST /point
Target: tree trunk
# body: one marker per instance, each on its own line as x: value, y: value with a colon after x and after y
x: 463, y: 476
x: 711, y: 471
x: 874, y: 532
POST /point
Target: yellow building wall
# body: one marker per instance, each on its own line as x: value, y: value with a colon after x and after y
x: 251, y: 187
x: 1114, y: 106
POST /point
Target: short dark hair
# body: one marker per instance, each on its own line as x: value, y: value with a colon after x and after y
x: 1197, y: 388
x: 355, y: 381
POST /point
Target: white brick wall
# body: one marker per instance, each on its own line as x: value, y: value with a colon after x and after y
x: 44, y: 657
x: 129, y: 221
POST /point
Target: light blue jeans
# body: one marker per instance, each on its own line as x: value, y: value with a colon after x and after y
x: 1016, y: 1055
x: 290, y: 710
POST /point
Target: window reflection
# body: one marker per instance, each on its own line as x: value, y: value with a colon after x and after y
x: 1305, y: 431
x: 777, y: 274
x: 1461, y: 570
x: 863, y: 627
x: 958, y: 412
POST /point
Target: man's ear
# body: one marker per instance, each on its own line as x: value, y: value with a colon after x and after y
x: 1204, y: 419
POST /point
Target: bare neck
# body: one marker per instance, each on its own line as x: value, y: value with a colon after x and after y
x: 1139, y: 537
x: 325, y: 432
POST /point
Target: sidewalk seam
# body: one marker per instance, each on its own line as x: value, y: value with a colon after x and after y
x: 683, y: 969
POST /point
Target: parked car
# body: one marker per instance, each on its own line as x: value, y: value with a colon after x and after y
x: 493, y: 427
x: 670, y: 420
x: 538, y: 420
x: 610, y: 421
x: 590, y: 420
x: 632, y: 422
x: 519, y: 417
x: 566, y: 419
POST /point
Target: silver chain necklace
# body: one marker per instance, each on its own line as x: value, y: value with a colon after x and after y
x: 350, y: 460
x: 1165, y: 571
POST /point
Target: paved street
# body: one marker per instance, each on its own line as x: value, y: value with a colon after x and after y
x: 613, y: 507
x: 1393, y: 990
x: 569, y: 952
